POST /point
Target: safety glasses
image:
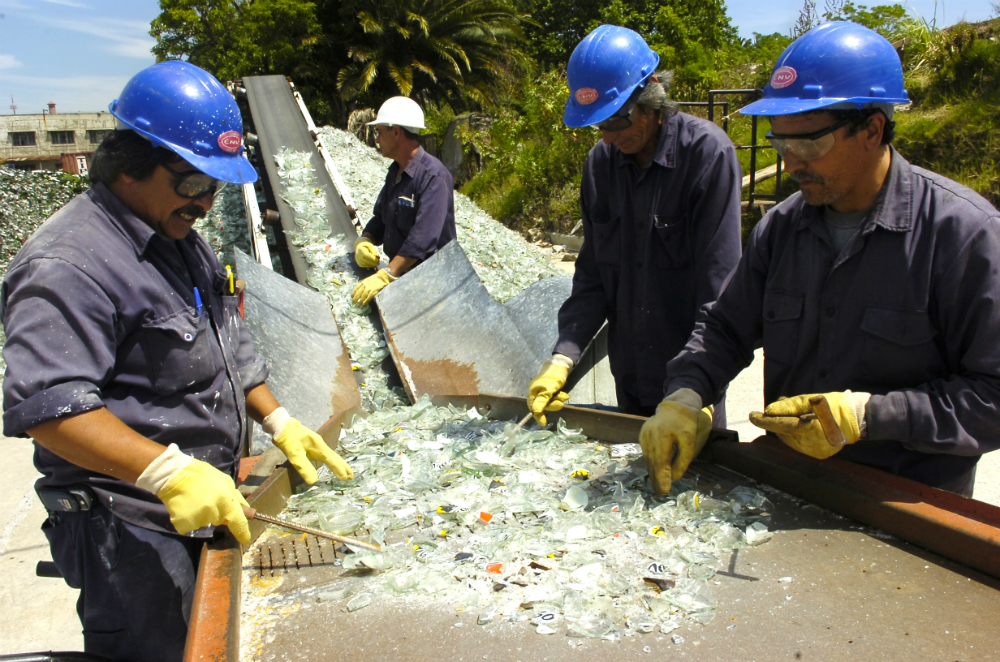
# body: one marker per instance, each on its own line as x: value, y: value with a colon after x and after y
x: 623, y: 118
x: 805, y: 147
x: 194, y: 183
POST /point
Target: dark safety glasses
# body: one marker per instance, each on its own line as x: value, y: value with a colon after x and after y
x: 805, y: 147
x: 194, y: 183
x: 623, y: 118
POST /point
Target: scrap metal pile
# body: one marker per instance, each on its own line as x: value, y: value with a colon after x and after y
x: 517, y: 525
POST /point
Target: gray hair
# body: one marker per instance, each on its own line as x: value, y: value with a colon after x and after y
x: 656, y: 95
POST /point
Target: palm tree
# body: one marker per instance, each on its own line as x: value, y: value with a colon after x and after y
x: 435, y: 50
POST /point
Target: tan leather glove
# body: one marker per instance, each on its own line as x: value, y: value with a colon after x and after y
x: 366, y: 290
x: 544, y: 391
x: 195, y: 493
x: 300, y: 445
x: 673, y: 437
x: 365, y: 253
x: 782, y: 418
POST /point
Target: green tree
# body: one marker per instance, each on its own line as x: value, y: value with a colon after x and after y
x: 434, y: 50
x: 232, y: 38
x: 891, y: 21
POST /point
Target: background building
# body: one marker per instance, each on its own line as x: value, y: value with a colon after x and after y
x: 50, y: 141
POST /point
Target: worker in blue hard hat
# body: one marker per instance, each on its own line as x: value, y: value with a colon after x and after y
x: 875, y: 284
x: 129, y: 367
x: 660, y: 200
x: 414, y: 215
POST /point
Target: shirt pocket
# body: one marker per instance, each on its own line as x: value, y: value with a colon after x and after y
x: 782, y: 314
x: 670, y: 245
x: 899, y: 347
x: 405, y: 218
x: 608, y: 242
x: 179, y: 351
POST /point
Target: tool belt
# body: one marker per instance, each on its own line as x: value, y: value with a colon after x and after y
x: 72, y: 499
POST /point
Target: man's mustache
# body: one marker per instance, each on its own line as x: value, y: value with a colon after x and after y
x: 193, y: 211
x: 801, y: 177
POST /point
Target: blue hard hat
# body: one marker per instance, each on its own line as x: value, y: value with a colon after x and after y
x: 185, y: 109
x: 832, y: 64
x: 603, y: 71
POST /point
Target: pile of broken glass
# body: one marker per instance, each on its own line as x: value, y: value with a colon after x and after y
x: 539, y: 525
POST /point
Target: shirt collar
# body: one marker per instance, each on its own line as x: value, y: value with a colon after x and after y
x: 666, y: 147
x: 412, y: 168
x: 134, y: 228
x: 893, y: 208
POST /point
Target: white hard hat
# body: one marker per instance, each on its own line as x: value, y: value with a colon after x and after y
x: 403, y: 112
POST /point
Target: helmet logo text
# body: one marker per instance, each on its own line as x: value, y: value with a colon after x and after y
x: 586, y: 96
x: 783, y: 77
x: 230, y: 141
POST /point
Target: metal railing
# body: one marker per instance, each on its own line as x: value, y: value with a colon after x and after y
x: 754, y: 147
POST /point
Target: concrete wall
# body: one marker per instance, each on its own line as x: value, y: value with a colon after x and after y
x: 44, y: 154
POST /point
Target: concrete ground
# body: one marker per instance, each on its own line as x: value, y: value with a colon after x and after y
x: 39, y: 614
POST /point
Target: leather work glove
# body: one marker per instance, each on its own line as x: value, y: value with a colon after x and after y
x: 369, y: 287
x: 545, y: 390
x: 195, y: 493
x: 674, y: 436
x: 300, y: 445
x: 782, y: 418
x: 365, y: 253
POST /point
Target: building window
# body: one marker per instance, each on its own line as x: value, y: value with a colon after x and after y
x: 62, y: 137
x: 22, y: 138
x: 98, y: 136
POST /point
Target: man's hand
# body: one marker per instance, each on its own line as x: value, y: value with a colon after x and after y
x: 300, y: 445
x: 198, y: 494
x: 782, y: 418
x: 545, y: 390
x: 365, y: 253
x: 673, y: 437
x: 369, y: 287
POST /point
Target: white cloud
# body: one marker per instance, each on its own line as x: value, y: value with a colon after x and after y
x: 121, y: 37
x: 67, y: 3
x: 9, y: 61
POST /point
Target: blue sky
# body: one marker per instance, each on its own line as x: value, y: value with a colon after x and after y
x: 79, y: 53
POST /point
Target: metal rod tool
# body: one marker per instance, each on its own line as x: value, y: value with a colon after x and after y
x: 253, y: 514
x: 831, y: 430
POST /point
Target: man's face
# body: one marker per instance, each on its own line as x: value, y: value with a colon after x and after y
x: 155, y: 201
x: 386, y: 139
x: 640, y: 134
x: 832, y: 177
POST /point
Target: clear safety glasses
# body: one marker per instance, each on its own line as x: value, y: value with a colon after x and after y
x: 194, y: 183
x: 805, y: 147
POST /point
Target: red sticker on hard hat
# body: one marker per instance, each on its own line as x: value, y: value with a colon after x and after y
x: 586, y: 96
x: 230, y: 141
x: 783, y: 77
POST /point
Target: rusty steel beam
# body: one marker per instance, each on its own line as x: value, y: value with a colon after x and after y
x: 214, y: 630
x: 958, y: 528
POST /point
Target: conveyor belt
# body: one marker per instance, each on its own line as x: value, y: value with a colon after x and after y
x: 279, y: 123
x: 855, y: 593
x: 294, y: 332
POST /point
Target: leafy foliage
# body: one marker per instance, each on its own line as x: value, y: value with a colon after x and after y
x: 434, y: 49
x: 534, y: 160
x: 233, y: 38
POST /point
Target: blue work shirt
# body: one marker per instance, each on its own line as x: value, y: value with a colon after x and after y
x: 658, y: 243
x: 100, y: 311
x: 907, y: 311
x: 414, y: 217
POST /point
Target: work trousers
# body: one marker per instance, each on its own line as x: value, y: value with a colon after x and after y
x: 136, y: 585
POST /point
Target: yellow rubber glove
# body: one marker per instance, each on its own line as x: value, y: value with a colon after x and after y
x: 545, y: 390
x: 365, y: 253
x: 673, y: 437
x: 300, y: 445
x: 782, y: 418
x: 369, y: 287
x: 199, y: 494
